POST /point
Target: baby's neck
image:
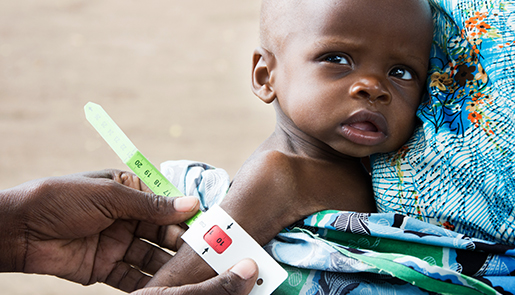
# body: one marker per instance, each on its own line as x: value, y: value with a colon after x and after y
x: 289, y: 139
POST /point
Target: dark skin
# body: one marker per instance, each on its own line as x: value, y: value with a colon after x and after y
x: 75, y: 223
x: 90, y: 227
x: 345, y: 78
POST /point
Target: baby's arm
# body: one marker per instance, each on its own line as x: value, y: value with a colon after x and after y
x: 270, y: 192
x: 258, y: 200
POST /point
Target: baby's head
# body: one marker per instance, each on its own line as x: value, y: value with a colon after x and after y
x: 349, y: 73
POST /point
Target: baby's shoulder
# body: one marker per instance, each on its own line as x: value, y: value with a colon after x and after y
x: 277, y: 168
x: 268, y: 168
x: 273, y: 161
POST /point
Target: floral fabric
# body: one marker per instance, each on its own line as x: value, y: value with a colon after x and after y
x: 458, y: 170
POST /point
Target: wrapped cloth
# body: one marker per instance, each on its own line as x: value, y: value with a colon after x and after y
x: 336, y: 252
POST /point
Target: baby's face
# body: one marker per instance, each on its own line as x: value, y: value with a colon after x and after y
x: 351, y: 72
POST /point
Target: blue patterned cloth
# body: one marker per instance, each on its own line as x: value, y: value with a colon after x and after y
x: 207, y: 183
x: 458, y: 170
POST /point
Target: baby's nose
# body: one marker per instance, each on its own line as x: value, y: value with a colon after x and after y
x: 370, y: 88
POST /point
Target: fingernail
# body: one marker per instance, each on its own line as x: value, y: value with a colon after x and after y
x: 185, y: 204
x: 245, y: 269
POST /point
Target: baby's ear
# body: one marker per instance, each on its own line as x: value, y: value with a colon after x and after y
x: 262, y: 65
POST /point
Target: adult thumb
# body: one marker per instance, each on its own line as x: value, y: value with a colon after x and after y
x: 130, y: 202
x: 155, y: 209
x: 239, y: 280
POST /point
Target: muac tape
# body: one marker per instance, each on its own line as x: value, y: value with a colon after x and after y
x: 214, y: 235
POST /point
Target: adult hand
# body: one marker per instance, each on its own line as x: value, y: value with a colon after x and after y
x: 89, y: 228
x: 238, y: 280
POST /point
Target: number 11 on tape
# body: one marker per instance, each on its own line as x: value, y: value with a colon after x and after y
x: 214, y: 235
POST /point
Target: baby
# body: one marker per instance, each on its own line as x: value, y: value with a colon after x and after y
x: 345, y: 78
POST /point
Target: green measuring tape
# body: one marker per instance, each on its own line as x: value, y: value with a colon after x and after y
x: 130, y: 155
x: 215, y: 230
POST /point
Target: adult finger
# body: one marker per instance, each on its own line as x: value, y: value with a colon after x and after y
x: 239, y: 280
x: 127, y: 278
x: 125, y: 196
x: 165, y: 236
x: 146, y: 256
x: 122, y: 202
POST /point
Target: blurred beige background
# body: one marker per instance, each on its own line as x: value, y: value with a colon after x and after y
x: 175, y: 75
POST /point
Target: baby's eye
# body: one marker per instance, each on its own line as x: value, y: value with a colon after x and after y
x: 401, y: 73
x: 337, y: 59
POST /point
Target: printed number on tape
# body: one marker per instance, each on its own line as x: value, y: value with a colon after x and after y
x: 221, y: 242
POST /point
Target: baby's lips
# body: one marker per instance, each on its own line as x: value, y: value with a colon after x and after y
x: 365, y: 126
x: 367, y: 121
